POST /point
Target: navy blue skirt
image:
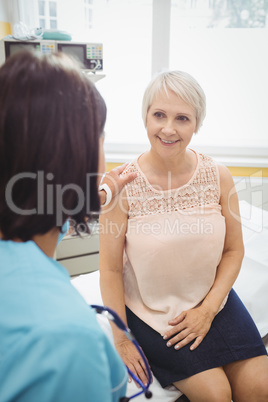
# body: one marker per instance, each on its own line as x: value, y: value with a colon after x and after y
x: 233, y: 336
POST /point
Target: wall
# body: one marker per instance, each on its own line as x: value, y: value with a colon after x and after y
x: 5, y: 28
x: 3, y: 10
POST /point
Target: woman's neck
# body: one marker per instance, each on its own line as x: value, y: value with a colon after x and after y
x: 174, y: 166
x: 167, y: 173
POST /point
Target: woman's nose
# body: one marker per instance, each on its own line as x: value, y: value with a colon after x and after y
x: 168, y: 129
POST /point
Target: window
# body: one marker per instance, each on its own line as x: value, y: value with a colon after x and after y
x: 53, y: 9
x: 41, y: 8
x: 223, y: 44
x: 47, y: 14
x: 125, y: 29
x: 88, y: 13
x: 42, y: 14
x: 53, y: 24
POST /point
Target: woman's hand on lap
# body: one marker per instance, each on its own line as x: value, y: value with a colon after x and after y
x: 132, y: 360
x: 189, y: 325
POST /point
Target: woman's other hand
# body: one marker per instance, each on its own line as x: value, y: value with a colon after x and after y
x: 189, y: 325
x: 132, y: 360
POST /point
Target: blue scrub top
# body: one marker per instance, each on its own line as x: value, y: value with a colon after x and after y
x: 52, y: 348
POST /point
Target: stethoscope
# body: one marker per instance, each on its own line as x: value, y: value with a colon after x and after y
x: 113, y: 316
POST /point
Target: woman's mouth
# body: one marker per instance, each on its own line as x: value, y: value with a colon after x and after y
x: 168, y: 142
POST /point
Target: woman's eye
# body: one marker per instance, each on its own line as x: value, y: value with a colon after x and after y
x: 159, y: 115
x: 183, y: 118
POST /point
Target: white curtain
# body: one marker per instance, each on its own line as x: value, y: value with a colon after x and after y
x: 25, y: 11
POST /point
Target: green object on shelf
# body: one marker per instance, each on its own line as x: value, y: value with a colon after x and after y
x: 56, y: 35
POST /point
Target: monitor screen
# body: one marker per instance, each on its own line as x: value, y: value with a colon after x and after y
x: 16, y: 47
x: 76, y: 51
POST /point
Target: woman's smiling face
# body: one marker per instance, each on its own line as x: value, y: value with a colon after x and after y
x: 170, y: 124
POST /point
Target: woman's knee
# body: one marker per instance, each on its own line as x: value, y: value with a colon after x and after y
x: 256, y: 391
x: 261, y: 389
x: 208, y: 386
x: 211, y: 395
x: 218, y: 394
x: 249, y: 379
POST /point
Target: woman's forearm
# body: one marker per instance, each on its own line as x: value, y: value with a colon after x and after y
x: 112, y: 290
x: 111, y: 260
x: 227, y: 273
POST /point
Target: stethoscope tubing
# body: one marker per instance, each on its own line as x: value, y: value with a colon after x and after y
x: 112, y: 315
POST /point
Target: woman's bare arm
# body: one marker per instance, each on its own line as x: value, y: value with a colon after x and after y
x: 113, y: 226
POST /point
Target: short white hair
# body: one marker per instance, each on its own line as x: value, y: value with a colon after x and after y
x: 183, y: 85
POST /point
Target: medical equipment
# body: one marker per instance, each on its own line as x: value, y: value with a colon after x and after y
x: 111, y: 315
x: 90, y: 55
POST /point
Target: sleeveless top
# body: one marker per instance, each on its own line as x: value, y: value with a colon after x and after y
x: 174, y: 243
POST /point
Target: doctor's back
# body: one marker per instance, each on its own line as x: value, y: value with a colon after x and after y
x: 52, y: 348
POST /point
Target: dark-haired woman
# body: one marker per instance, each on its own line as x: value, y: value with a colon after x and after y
x: 51, y: 348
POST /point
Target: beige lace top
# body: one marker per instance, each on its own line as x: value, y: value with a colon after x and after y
x: 174, y: 243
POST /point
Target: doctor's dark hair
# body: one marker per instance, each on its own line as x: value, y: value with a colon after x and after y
x: 51, y: 117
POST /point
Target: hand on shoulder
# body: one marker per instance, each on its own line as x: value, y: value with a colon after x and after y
x: 116, y: 181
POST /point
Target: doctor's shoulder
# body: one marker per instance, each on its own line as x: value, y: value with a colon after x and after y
x: 72, y: 361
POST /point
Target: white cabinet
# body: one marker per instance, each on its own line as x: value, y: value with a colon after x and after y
x: 79, y: 255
